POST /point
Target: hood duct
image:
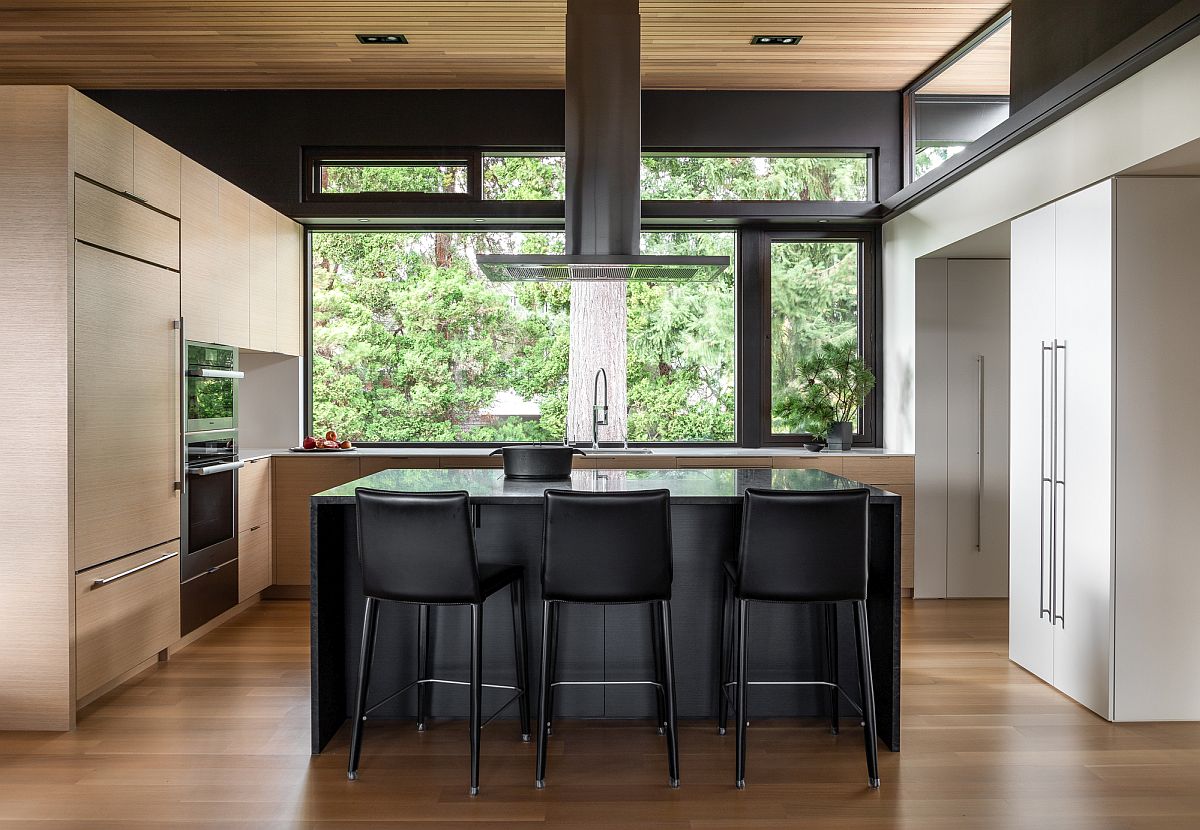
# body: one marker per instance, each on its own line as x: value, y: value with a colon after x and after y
x: 603, y: 161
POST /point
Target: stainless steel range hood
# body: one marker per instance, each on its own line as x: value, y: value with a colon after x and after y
x: 603, y: 149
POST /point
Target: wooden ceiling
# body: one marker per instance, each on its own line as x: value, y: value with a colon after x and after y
x: 687, y: 44
x: 982, y: 71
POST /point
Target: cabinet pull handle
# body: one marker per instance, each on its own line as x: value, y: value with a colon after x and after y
x: 100, y: 583
x: 135, y: 197
x: 180, y: 387
x: 256, y: 527
x: 1042, y: 609
x: 979, y: 456
x: 1060, y: 482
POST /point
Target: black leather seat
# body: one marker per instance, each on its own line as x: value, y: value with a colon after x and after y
x: 608, y: 549
x: 419, y: 549
x: 799, y: 547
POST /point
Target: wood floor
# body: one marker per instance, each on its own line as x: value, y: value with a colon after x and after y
x: 218, y: 737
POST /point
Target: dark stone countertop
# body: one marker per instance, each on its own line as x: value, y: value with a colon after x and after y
x: 690, y: 486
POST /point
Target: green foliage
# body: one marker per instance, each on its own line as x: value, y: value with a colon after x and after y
x: 775, y: 178
x: 830, y: 385
x: 411, y: 343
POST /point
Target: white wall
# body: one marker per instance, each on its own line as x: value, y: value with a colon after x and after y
x: 269, y: 410
x: 1150, y: 113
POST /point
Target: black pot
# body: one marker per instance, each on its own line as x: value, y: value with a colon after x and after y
x: 538, y: 462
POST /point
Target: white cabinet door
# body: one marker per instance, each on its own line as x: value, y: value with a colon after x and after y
x: 1082, y: 583
x: 977, y: 355
x: 1032, y: 302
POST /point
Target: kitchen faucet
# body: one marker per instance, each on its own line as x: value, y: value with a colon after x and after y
x: 599, y: 412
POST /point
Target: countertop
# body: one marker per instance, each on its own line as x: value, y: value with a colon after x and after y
x: 691, y: 486
x: 251, y: 453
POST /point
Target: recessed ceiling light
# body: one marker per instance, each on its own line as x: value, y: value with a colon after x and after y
x: 385, y: 39
x: 775, y: 40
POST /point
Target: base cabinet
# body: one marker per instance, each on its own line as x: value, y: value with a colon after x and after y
x: 126, y: 612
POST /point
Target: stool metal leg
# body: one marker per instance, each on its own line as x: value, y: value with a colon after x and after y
x: 660, y: 691
x: 739, y: 712
x: 521, y: 644
x: 544, y: 695
x: 370, y: 626
x: 476, y: 691
x: 723, y: 660
x: 553, y: 667
x: 868, y: 692
x: 831, y: 664
x: 422, y: 666
x: 668, y: 659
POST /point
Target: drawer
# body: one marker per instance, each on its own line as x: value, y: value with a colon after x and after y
x: 126, y: 611
x: 726, y: 461
x: 471, y: 462
x: 830, y: 464
x: 120, y: 224
x: 369, y: 464
x: 254, y: 561
x: 254, y: 494
x: 880, y: 469
x: 600, y: 461
x: 207, y: 596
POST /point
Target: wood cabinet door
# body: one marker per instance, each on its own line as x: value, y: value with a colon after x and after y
x: 254, y: 561
x: 198, y: 251
x: 233, y: 273
x: 1084, y: 478
x: 125, y: 613
x: 1031, y: 324
x: 121, y: 224
x: 295, y: 480
x: 127, y: 385
x: 254, y: 494
x: 289, y: 279
x: 263, y: 303
x: 156, y: 172
x: 102, y: 143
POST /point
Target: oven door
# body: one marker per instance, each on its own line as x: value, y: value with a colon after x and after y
x: 211, y: 403
x: 211, y: 518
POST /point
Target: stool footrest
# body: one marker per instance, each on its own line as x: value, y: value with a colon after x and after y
x: 841, y: 691
x: 423, y: 681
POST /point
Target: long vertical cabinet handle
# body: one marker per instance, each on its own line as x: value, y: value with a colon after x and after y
x: 979, y: 455
x: 1043, y: 611
x: 181, y: 388
x: 1053, y: 478
x: 1060, y: 482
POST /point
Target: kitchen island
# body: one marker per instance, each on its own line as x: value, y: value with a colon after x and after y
x: 599, y: 643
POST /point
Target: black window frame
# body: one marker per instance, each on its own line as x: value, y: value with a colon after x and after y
x: 909, y: 93
x: 316, y: 157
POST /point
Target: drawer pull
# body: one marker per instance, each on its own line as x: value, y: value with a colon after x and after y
x: 256, y: 527
x: 100, y: 583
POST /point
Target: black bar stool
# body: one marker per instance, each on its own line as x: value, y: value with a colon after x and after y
x: 799, y: 547
x: 419, y: 549
x: 608, y: 549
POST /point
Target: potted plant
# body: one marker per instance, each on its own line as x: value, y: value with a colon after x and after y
x: 823, y: 399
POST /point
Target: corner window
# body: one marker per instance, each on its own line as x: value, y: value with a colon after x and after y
x: 960, y: 99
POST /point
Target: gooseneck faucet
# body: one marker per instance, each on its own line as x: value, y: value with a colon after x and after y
x: 599, y: 411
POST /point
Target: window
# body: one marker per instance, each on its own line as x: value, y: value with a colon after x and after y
x: 961, y: 98
x: 411, y: 343
x: 530, y: 176
x: 724, y: 177
x: 358, y: 174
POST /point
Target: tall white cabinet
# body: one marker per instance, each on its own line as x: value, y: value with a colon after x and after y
x: 1104, y: 295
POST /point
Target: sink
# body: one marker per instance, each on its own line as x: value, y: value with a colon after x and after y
x: 619, y: 451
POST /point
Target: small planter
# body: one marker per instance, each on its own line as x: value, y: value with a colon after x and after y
x: 814, y: 446
x: 841, y: 436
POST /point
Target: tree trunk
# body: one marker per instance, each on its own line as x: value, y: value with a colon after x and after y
x: 598, y: 341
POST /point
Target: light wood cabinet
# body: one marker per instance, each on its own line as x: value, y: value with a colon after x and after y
x: 828, y: 463
x: 120, y: 224
x: 725, y: 462
x: 295, y: 480
x: 254, y: 561
x: 156, y: 172
x: 233, y: 271
x: 254, y: 494
x: 126, y: 436
x: 599, y: 461
x: 263, y: 266
x: 369, y: 464
x: 103, y: 144
x: 198, y: 250
x: 126, y: 612
x: 289, y: 275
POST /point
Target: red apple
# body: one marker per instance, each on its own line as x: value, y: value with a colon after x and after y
x: 331, y: 436
x: 310, y: 443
